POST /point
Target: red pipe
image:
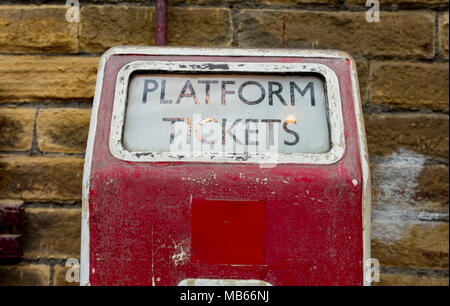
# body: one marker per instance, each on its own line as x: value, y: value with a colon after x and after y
x: 161, y: 23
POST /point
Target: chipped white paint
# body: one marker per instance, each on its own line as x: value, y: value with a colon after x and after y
x: 392, y: 232
x: 397, y: 179
x: 364, y: 158
x: 180, y: 255
x: 355, y: 182
x: 222, y: 282
x: 428, y: 216
x: 84, y: 255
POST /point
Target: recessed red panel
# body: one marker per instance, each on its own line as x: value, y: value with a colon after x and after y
x: 228, y: 232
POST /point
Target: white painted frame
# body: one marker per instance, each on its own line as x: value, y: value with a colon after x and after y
x: 234, y: 52
x: 334, y: 111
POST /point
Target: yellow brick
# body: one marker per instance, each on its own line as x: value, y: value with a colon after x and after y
x: 63, y: 130
x: 39, y: 178
x: 37, y: 29
x: 410, y: 244
x: 410, y: 187
x: 52, y: 233
x: 16, y: 128
x: 408, y: 85
x: 200, y: 27
x: 401, y: 34
x: 103, y: 27
x: 426, y: 134
x: 267, y: 2
x: 106, y: 26
x: 403, y: 3
x: 24, y: 275
x: 443, y: 34
x: 47, y: 78
x: 396, y: 279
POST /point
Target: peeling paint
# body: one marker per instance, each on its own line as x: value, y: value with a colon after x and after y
x: 395, y: 185
x: 397, y: 179
x: 180, y: 255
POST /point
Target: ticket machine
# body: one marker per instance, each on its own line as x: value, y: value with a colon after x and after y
x: 225, y: 166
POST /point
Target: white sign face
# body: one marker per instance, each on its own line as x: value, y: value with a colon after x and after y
x: 226, y: 114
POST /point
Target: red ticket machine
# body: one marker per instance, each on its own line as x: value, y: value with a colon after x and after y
x: 225, y: 166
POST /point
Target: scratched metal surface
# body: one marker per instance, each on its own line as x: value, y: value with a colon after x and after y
x: 140, y: 214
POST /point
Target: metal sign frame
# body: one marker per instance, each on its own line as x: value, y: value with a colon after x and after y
x: 331, y: 91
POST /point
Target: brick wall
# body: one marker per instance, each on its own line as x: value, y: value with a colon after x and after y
x: 47, y: 77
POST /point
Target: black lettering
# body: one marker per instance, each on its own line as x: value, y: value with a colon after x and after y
x: 172, y: 126
x: 270, y: 123
x: 183, y: 94
x: 257, y: 101
x: 163, y: 94
x: 224, y: 126
x: 147, y: 90
x: 248, y: 131
x: 310, y: 86
x: 297, y: 138
x: 226, y: 92
x: 276, y: 92
x: 229, y: 131
x: 207, y: 89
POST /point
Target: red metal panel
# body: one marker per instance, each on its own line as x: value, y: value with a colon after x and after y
x: 228, y: 232
x: 141, y: 222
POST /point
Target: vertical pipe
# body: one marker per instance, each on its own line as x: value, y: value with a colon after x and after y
x: 161, y: 23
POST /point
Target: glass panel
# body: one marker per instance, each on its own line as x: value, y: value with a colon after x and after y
x: 226, y: 113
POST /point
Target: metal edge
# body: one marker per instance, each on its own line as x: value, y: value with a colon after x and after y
x: 364, y: 155
x: 222, y: 282
x: 85, y: 234
x: 198, y: 51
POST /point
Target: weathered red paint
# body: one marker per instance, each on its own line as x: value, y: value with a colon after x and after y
x: 143, y: 221
x: 227, y: 232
